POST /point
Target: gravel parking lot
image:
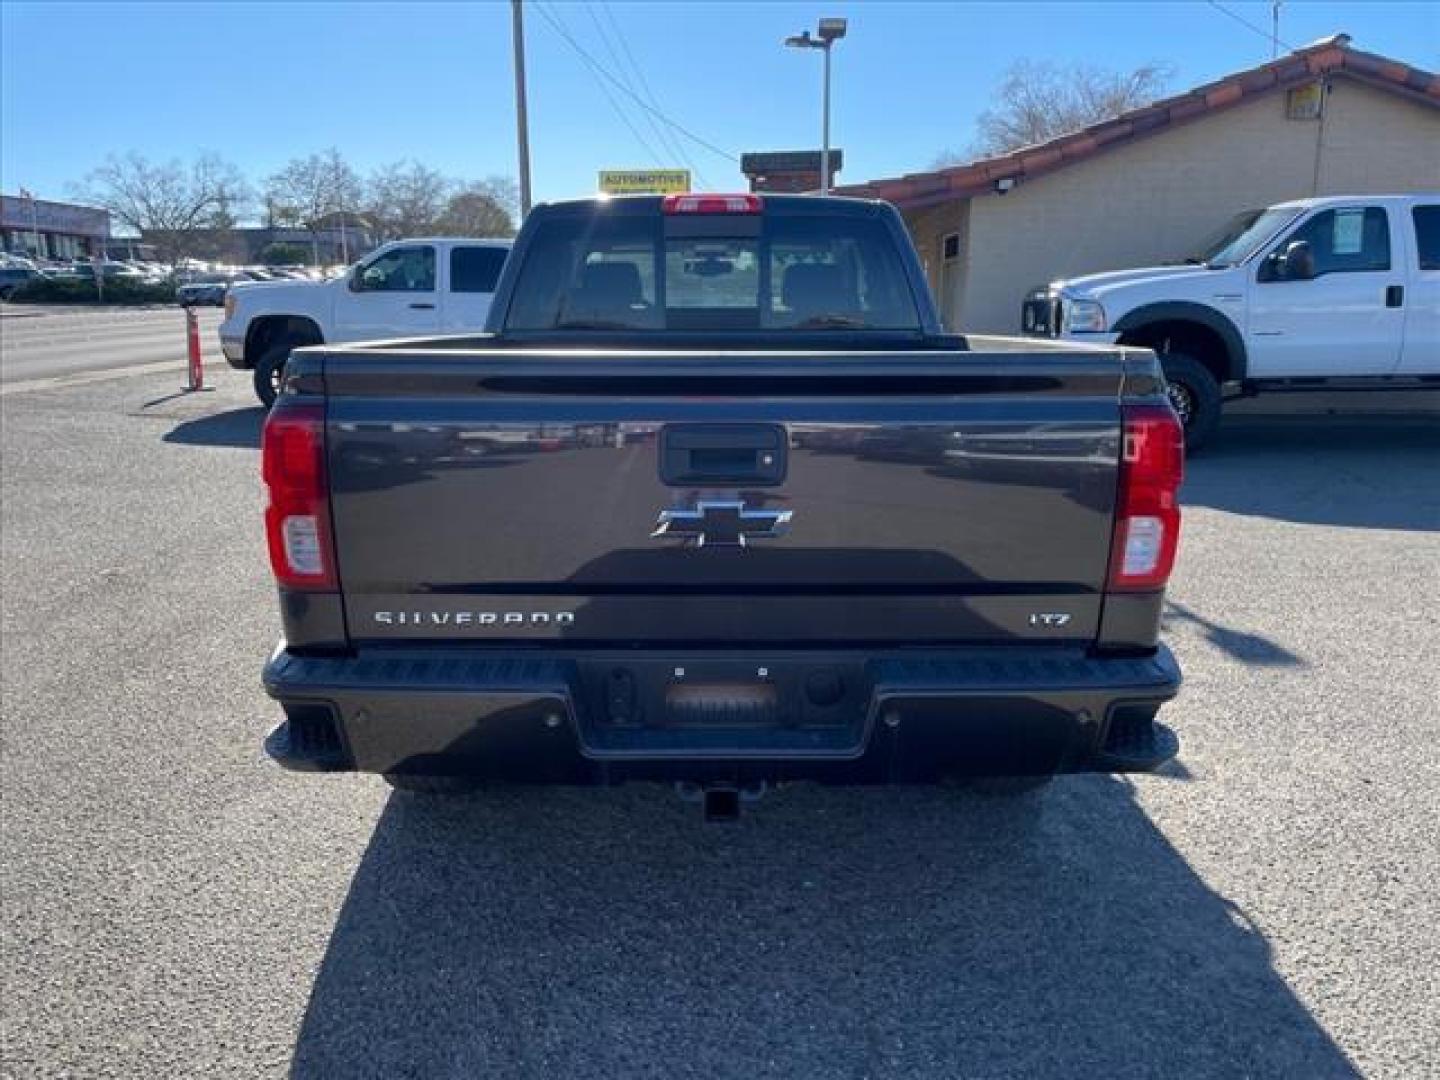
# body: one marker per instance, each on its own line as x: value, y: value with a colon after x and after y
x: 175, y: 906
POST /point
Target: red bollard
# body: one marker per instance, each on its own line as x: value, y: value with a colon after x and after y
x: 192, y: 340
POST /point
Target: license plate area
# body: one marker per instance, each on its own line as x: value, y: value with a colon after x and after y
x: 722, y: 704
x: 700, y: 706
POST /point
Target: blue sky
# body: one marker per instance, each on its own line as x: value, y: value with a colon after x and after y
x: 260, y: 83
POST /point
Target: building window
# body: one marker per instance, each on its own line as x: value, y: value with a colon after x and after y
x: 65, y: 247
x: 950, y: 246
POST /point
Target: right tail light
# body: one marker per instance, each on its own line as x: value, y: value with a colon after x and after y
x: 1147, y: 511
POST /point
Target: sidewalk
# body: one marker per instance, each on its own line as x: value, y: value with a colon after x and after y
x: 1347, y: 402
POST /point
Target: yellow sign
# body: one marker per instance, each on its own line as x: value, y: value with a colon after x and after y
x: 1305, y: 102
x: 644, y: 181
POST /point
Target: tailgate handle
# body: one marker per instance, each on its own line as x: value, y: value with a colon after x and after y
x: 722, y: 454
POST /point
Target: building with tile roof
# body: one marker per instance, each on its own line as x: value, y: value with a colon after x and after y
x: 1152, y: 185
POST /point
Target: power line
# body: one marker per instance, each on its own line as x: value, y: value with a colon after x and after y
x: 600, y: 69
x: 656, y: 129
x: 663, y: 133
x: 1266, y: 34
x: 615, y: 105
x: 649, y: 94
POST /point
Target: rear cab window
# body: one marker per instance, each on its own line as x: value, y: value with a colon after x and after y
x: 475, y: 268
x: 712, y: 273
x: 1427, y: 236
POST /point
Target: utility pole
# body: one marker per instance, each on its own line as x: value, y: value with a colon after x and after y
x: 522, y: 119
x: 1274, y: 29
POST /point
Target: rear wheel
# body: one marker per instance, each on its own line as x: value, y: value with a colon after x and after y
x: 270, y: 371
x: 423, y: 784
x: 1195, y: 395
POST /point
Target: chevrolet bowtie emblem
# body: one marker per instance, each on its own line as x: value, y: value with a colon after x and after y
x: 721, y: 524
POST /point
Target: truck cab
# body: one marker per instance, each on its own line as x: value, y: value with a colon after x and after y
x: 407, y: 288
x: 1332, y: 293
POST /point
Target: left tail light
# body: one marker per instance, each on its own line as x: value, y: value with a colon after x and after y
x: 1147, y: 510
x: 297, y: 520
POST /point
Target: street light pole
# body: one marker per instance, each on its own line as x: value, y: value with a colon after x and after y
x: 829, y: 32
x: 522, y: 120
x: 825, y: 128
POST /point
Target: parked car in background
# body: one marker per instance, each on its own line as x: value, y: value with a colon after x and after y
x: 1337, y: 293
x: 408, y: 288
x: 210, y: 289
x: 209, y: 293
x: 107, y: 271
x: 12, y: 277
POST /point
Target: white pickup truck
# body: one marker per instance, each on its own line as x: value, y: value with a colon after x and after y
x: 409, y: 288
x: 1334, y: 293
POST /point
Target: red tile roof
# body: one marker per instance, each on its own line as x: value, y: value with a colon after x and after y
x: 1328, y: 56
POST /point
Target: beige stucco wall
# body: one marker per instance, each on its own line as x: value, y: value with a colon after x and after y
x: 1377, y: 143
x: 1156, y: 200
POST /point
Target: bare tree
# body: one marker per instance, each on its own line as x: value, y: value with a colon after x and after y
x: 483, y: 208
x: 168, y: 203
x: 502, y: 189
x: 1037, y: 101
x: 405, y: 200
x: 309, y: 188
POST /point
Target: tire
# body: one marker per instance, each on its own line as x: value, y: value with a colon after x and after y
x: 423, y: 784
x: 270, y: 369
x: 1195, y: 394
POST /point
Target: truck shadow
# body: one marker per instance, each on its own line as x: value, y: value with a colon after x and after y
x: 902, y: 932
x: 1365, y: 471
x: 237, y: 427
x: 1239, y: 645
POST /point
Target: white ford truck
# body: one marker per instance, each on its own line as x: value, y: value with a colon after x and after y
x: 408, y: 288
x: 1317, y: 294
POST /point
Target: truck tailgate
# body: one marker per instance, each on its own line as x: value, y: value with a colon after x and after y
x: 711, y: 497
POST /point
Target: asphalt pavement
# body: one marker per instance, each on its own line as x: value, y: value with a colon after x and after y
x: 48, y: 341
x: 175, y: 906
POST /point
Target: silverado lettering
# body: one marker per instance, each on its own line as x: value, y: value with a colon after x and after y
x: 478, y: 618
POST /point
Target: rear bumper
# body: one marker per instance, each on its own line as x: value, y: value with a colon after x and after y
x: 835, y: 717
